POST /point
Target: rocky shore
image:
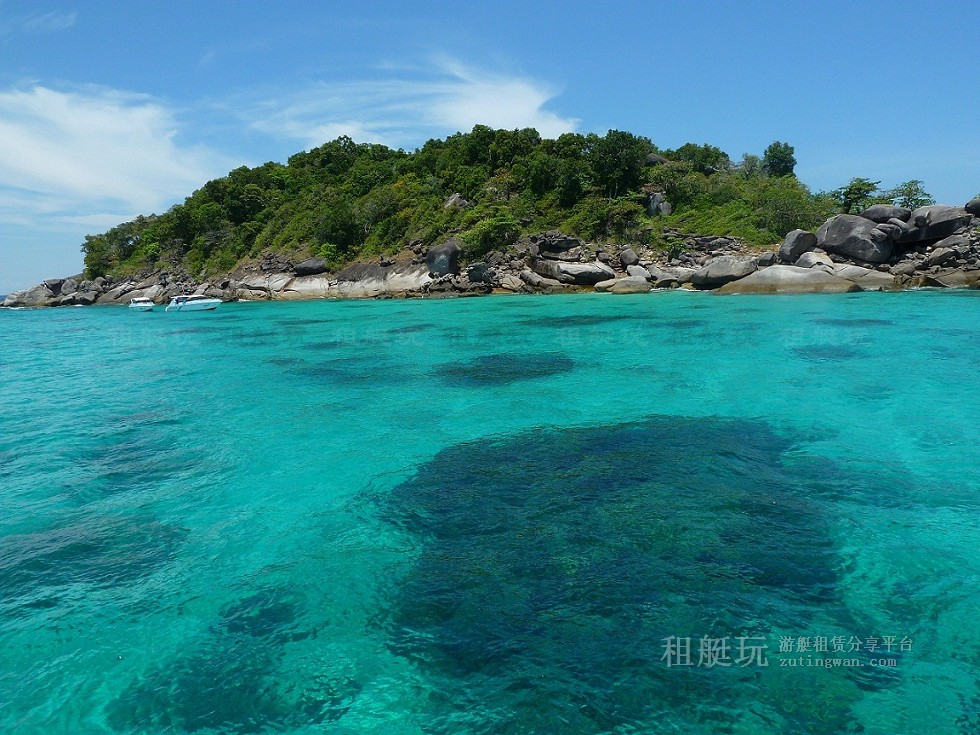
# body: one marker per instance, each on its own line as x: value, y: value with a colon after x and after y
x: 882, y: 248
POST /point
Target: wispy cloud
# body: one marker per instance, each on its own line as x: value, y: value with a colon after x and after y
x: 48, y: 22
x: 92, y: 155
x: 404, y: 108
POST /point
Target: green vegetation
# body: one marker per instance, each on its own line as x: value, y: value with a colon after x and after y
x: 861, y: 193
x: 345, y: 200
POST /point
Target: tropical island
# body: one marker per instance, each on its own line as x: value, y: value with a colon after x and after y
x: 509, y: 211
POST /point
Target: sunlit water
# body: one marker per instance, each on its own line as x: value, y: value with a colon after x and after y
x: 499, y: 515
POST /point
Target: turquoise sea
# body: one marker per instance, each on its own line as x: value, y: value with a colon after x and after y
x: 669, y: 513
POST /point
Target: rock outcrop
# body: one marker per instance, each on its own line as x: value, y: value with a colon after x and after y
x: 722, y: 270
x: 789, y: 279
x: 795, y: 244
x: 852, y: 236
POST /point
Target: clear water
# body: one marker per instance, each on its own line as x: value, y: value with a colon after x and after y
x: 490, y: 515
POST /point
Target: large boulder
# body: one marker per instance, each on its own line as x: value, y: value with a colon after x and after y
x: 936, y: 222
x: 639, y: 271
x: 814, y: 259
x: 310, y: 267
x: 680, y: 273
x: 630, y: 284
x: 850, y: 235
x: 795, y: 244
x: 85, y: 298
x: 722, y: 270
x: 973, y: 207
x: 884, y: 212
x: 867, y: 279
x: 39, y: 295
x: 785, y: 279
x: 628, y: 257
x: 444, y: 259
x: 583, y: 274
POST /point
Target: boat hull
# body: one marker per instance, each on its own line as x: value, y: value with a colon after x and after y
x: 196, y: 305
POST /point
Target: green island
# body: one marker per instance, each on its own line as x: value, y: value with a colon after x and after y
x: 507, y: 210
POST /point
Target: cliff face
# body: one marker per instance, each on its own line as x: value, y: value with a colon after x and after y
x: 882, y: 248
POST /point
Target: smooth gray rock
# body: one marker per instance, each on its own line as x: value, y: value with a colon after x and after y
x: 638, y: 271
x: 722, y: 270
x: 785, y: 279
x: 603, y: 286
x: 85, y: 298
x: 512, y: 283
x: 973, y: 207
x: 958, y: 242
x: 903, y: 226
x: 905, y: 268
x: 628, y: 257
x: 850, y: 235
x: 936, y: 222
x: 310, y: 267
x: 69, y: 286
x: 940, y: 256
x: 535, y: 280
x: 444, y: 259
x: 39, y: 295
x: 884, y: 212
x: 655, y: 273
x: 54, y: 285
x: 891, y: 230
x: 866, y: 278
x: 584, y: 274
x: 681, y: 273
x: 764, y: 260
x: 630, y: 284
x: 809, y: 260
x: 795, y: 244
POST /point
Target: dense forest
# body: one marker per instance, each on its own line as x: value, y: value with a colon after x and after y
x: 345, y: 200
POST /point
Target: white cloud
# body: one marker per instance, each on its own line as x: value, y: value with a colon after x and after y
x: 404, y: 110
x: 48, y: 22
x: 92, y: 153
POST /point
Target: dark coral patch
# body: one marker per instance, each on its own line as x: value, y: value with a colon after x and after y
x: 504, y: 368
x: 555, y: 563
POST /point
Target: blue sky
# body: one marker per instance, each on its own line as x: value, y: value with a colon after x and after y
x: 112, y: 109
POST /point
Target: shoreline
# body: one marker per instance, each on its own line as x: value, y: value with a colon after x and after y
x: 884, y: 249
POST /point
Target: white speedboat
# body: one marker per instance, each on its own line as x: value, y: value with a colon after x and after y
x: 193, y: 302
x: 141, y: 303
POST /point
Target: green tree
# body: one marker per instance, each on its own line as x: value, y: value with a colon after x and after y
x: 706, y: 159
x: 859, y: 194
x: 778, y: 159
x: 910, y: 194
x: 617, y: 161
x: 750, y: 165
